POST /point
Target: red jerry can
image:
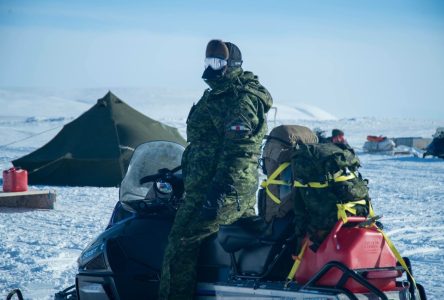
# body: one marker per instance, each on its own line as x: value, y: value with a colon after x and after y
x: 15, y: 180
x: 357, y: 248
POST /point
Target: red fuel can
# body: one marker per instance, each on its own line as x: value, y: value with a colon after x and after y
x: 15, y: 180
x: 357, y: 248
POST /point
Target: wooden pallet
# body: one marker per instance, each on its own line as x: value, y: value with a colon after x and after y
x: 30, y: 199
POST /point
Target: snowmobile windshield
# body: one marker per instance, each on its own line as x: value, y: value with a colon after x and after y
x: 148, y: 159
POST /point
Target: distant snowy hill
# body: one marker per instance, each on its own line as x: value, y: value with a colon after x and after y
x: 44, y: 111
x: 38, y: 103
x: 169, y: 104
x: 300, y: 111
x: 39, y: 248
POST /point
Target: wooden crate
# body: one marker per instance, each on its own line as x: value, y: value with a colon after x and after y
x: 30, y: 199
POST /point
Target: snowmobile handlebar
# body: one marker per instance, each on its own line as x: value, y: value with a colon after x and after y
x: 164, y: 174
x: 150, y: 178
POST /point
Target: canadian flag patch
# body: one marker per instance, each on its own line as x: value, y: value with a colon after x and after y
x: 239, y: 127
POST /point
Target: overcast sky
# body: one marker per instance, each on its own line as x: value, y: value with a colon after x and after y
x: 351, y: 58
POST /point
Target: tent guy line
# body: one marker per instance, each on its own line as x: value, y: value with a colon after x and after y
x: 31, y: 136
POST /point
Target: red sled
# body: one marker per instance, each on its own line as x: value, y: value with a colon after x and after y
x: 360, y: 249
x: 374, y: 138
x: 15, y: 180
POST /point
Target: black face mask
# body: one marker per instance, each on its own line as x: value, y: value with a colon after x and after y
x: 212, y: 74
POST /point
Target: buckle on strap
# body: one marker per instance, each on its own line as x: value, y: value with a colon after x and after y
x: 272, y: 180
x: 319, y: 185
x: 343, y: 208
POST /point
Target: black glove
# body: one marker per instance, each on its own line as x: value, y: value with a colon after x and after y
x: 215, y: 199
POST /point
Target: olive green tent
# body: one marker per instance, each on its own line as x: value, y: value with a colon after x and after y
x: 95, y: 148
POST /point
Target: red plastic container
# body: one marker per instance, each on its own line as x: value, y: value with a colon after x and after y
x: 15, y: 180
x: 355, y: 247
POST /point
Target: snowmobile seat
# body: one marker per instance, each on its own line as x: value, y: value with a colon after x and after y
x: 243, y: 233
x: 255, y: 246
x: 249, y: 232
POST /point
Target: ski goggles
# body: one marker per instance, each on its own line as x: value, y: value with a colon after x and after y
x: 215, y: 63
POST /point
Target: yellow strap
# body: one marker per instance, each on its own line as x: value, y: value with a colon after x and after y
x: 371, y: 212
x: 316, y: 185
x: 272, y: 180
x: 268, y: 182
x: 272, y: 197
x: 343, y: 208
x: 320, y: 185
x: 297, y: 262
x: 279, y: 170
x: 397, y: 255
x: 344, y: 177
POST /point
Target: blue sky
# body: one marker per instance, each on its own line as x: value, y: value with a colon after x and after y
x: 350, y: 58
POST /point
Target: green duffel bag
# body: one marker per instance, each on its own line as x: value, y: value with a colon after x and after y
x: 327, y: 187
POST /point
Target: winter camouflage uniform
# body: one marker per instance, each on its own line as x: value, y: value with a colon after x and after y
x: 224, y: 130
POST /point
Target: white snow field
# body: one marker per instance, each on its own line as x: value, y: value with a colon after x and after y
x: 39, y: 248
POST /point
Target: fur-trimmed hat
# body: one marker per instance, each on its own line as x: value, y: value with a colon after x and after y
x: 234, y: 55
x: 217, y: 48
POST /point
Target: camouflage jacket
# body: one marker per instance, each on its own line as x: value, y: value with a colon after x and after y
x: 224, y: 131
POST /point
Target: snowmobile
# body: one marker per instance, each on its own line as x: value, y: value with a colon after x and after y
x: 436, y: 147
x: 249, y: 259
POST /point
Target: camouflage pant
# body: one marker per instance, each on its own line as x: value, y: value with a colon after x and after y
x: 179, y: 269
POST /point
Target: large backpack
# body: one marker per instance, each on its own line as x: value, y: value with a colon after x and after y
x: 327, y: 186
x: 275, y: 195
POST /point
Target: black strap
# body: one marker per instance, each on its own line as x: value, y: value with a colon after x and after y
x: 15, y: 292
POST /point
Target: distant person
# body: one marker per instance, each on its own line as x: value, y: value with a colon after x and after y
x: 220, y: 165
x: 436, y: 147
x: 337, y: 137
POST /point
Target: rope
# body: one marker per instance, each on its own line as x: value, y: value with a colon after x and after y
x: 29, y: 137
x: 67, y: 155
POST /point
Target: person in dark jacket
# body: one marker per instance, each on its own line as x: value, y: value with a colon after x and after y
x: 225, y: 129
x: 436, y: 147
x: 337, y: 137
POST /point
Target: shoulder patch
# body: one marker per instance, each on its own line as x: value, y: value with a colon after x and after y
x: 239, y: 127
x: 237, y: 130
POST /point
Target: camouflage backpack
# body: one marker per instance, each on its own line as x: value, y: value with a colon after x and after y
x: 327, y: 186
x: 275, y: 195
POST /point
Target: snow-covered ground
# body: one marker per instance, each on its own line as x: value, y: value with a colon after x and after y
x: 39, y: 248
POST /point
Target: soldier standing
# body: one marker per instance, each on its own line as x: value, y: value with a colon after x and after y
x: 224, y: 131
